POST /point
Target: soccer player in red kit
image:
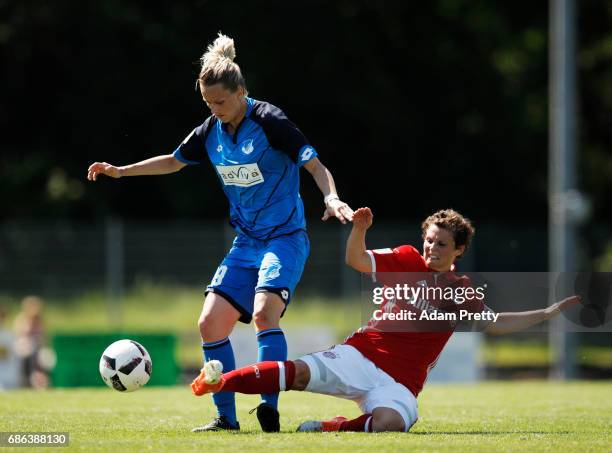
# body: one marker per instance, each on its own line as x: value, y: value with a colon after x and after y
x: 383, y: 367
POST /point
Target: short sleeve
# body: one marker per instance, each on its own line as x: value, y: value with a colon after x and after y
x: 283, y: 135
x: 400, y: 259
x: 192, y: 150
x: 290, y: 140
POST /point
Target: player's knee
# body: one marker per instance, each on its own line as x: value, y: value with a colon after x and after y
x: 388, y: 420
x: 302, y: 375
x: 264, y: 320
x: 210, y: 329
x: 268, y: 308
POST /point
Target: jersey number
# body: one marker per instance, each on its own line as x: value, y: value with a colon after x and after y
x: 218, y: 278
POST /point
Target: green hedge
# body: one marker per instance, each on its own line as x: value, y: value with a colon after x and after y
x: 78, y: 357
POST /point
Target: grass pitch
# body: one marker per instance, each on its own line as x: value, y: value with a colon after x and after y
x: 527, y: 416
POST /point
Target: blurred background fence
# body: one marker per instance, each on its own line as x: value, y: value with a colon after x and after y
x: 149, y: 277
x: 66, y: 259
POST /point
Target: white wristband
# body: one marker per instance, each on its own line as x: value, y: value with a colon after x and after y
x: 330, y: 197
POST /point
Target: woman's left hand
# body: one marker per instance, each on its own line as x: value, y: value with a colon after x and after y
x: 338, y: 209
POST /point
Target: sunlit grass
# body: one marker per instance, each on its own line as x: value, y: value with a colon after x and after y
x: 526, y: 416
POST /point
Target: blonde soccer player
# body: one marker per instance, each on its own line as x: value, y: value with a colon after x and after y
x: 257, y: 153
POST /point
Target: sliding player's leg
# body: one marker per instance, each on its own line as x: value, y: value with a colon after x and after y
x: 261, y: 377
x: 343, y: 372
x: 340, y: 371
x: 392, y: 405
x: 381, y: 419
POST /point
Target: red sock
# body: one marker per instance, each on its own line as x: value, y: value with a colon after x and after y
x: 262, y: 377
x: 359, y: 424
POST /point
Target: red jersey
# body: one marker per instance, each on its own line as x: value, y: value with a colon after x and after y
x: 407, y: 356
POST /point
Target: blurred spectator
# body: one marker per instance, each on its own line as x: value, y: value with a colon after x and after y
x: 9, y: 361
x: 30, y: 332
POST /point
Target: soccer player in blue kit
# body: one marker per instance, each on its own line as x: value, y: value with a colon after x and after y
x: 257, y: 153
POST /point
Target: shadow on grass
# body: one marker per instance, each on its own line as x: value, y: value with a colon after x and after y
x: 487, y: 433
x: 420, y: 433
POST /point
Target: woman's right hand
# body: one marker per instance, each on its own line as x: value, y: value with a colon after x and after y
x: 362, y: 218
x: 102, y: 168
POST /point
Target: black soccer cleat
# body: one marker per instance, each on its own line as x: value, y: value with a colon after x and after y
x: 218, y: 424
x: 268, y: 418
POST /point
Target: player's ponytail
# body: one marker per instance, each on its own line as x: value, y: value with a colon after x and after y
x: 217, y: 65
x: 222, y: 47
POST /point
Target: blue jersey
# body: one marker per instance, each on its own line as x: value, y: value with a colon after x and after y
x: 258, y: 166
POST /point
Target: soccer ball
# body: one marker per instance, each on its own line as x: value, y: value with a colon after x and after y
x: 125, y: 366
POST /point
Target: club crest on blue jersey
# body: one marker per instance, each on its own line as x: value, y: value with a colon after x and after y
x: 247, y: 146
x: 258, y: 164
x: 273, y: 268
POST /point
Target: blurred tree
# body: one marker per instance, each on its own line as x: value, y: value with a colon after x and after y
x: 414, y: 105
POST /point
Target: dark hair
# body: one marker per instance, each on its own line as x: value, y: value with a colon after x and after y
x: 460, y: 227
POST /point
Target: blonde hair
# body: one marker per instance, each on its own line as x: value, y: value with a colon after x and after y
x: 217, y: 65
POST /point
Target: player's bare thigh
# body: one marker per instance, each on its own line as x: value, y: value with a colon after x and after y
x: 217, y: 319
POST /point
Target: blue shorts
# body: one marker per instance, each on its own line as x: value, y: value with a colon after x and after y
x: 254, y: 266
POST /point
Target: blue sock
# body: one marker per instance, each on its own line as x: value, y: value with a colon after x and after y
x: 222, y: 350
x: 272, y: 346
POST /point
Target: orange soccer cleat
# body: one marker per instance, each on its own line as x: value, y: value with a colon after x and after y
x: 210, y: 379
x: 325, y: 425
